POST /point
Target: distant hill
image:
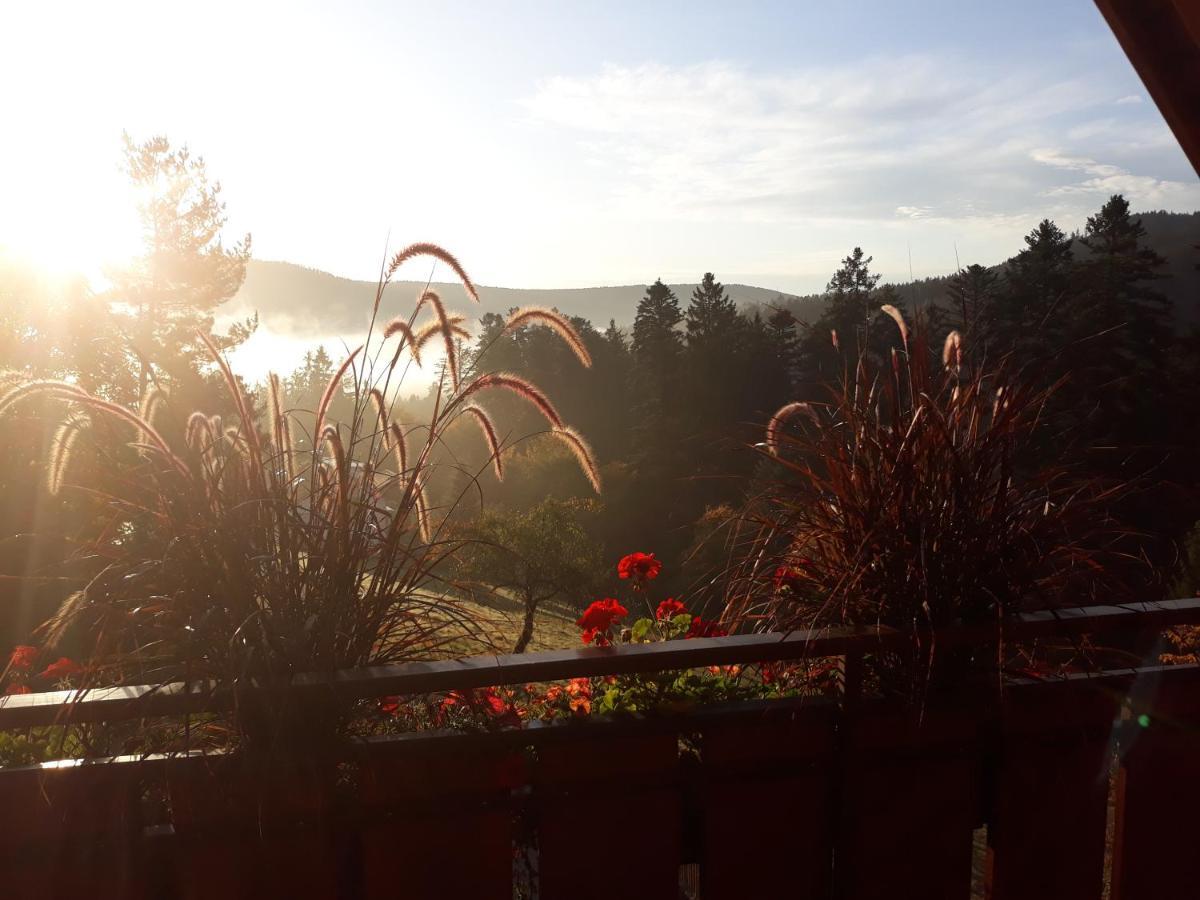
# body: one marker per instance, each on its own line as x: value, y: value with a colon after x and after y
x: 299, y: 302
x: 295, y: 300
x: 1177, y: 237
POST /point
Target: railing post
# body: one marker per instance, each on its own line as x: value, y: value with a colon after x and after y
x: 1158, y: 792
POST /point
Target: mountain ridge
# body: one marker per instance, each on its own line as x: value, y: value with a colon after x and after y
x: 288, y: 295
x: 302, y: 302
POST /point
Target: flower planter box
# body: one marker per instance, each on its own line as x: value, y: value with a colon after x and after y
x: 766, y: 798
x: 608, y: 811
x: 437, y: 816
x: 243, y: 831
x: 70, y: 831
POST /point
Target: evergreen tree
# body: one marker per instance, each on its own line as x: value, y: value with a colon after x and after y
x: 786, y: 344
x: 852, y: 313
x: 1118, y: 274
x: 852, y: 305
x: 1033, y: 311
x: 1123, y: 328
x: 712, y: 317
x: 615, y: 337
x: 186, y: 272
x: 654, y: 326
x: 306, y: 384
x: 659, y: 449
x: 971, y: 293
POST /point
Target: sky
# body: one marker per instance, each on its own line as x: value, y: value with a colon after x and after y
x: 567, y: 144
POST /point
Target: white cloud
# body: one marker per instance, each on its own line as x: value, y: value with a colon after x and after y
x: 1105, y: 179
x: 1129, y: 100
x: 883, y: 140
x: 1074, y: 163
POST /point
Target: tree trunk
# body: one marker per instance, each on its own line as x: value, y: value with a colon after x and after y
x: 531, y: 603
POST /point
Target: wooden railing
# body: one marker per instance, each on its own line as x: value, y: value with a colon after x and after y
x: 843, y: 796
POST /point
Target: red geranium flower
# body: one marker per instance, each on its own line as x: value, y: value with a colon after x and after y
x: 22, y: 657
x: 61, y: 668
x: 702, y: 629
x: 579, y: 693
x: 389, y: 706
x: 669, y: 609
x: 493, y: 703
x: 641, y: 566
x: 598, y: 618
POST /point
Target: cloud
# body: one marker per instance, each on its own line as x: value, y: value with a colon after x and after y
x: 1129, y: 100
x: 1106, y: 179
x: 884, y: 138
x: 1075, y: 163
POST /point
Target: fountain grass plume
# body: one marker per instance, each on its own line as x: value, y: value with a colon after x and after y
x: 515, y: 384
x: 489, y: 434
x: 583, y: 453
x: 556, y: 322
x: 412, y: 251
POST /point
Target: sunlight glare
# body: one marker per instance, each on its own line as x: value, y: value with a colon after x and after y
x: 66, y: 216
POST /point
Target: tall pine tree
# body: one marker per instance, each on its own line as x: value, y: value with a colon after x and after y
x: 176, y: 287
x: 1034, y: 308
x: 712, y: 317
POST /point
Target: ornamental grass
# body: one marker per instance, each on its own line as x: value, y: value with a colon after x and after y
x: 244, y: 550
x: 905, y: 498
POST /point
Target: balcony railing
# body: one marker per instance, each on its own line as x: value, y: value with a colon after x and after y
x: 1055, y: 788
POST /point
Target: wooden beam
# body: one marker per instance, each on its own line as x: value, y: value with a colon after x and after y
x: 1162, y: 40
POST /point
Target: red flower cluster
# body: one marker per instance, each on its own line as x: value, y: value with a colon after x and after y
x: 669, y: 609
x: 20, y: 666
x: 487, y: 701
x: 61, y: 668
x: 579, y: 690
x: 389, y: 706
x: 22, y: 658
x: 639, y: 566
x: 578, y: 693
x: 598, y: 619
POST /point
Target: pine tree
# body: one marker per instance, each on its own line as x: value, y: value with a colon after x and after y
x: 654, y: 326
x: 615, y: 337
x: 712, y: 317
x: 1032, y: 313
x: 781, y: 325
x: 971, y: 293
x: 1123, y: 327
x: 851, y: 297
x: 1118, y: 273
x: 854, y: 298
x: 186, y: 272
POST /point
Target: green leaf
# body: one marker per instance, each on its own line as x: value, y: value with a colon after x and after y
x: 641, y: 628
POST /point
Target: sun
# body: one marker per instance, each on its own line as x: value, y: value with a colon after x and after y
x: 68, y: 210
